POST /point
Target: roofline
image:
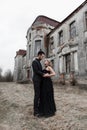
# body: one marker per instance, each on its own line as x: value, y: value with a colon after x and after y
x: 20, y: 54
x: 69, y: 16
x: 46, y: 18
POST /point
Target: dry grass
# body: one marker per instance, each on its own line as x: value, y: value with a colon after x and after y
x: 16, y: 109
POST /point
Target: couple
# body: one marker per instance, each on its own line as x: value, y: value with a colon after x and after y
x: 44, y: 104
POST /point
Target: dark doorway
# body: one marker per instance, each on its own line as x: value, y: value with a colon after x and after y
x: 28, y: 71
x: 68, y: 62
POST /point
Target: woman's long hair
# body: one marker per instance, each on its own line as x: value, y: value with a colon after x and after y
x: 49, y: 62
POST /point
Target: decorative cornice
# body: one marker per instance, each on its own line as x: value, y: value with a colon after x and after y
x: 40, y: 36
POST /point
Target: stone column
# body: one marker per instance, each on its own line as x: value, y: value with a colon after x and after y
x: 64, y: 65
x: 62, y: 75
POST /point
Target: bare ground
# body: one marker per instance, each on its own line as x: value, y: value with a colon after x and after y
x: 16, y: 108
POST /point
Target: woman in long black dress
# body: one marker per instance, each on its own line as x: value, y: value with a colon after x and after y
x: 47, y: 105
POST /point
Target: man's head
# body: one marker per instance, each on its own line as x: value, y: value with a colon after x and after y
x: 41, y: 55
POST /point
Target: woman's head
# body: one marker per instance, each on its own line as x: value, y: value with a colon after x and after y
x: 47, y: 63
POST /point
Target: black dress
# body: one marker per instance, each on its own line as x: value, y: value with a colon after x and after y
x: 47, y: 104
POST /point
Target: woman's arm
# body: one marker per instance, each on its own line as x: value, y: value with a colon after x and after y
x: 52, y: 72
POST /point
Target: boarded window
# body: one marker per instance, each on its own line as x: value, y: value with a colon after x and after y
x: 51, y: 43
x: 29, y: 36
x: 60, y: 37
x: 86, y: 52
x: 73, y: 29
x: 52, y: 61
x: 29, y: 51
x: 86, y: 19
x: 37, y: 47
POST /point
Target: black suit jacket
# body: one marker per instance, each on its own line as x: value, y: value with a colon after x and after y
x: 37, y: 70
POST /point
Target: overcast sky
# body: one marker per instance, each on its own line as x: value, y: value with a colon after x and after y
x: 16, y: 16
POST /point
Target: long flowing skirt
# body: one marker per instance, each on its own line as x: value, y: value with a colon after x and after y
x: 47, y: 104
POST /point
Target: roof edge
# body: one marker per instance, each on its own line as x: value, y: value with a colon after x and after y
x: 46, y: 18
x: 69, y: 16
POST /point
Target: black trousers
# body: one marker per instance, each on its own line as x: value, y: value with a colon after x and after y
x: 37, y: 85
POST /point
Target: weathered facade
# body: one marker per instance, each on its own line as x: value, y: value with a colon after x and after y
x: 64, y: 43
x: 20, y: 66
x: 36, y: 38
x: 68, y: 45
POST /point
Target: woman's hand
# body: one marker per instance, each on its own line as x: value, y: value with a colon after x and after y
x: 46, y: 75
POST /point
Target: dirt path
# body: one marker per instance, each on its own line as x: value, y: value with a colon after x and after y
x: 16, y: 109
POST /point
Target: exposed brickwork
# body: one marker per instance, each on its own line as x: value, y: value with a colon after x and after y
x: 47, y: 20
x: 21, y: 52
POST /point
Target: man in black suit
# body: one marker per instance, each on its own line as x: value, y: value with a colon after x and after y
x: 37, y: 79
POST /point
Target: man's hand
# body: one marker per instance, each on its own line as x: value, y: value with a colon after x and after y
x: 46, y: 75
